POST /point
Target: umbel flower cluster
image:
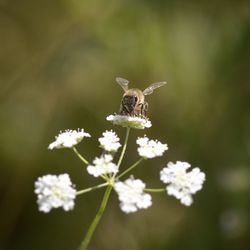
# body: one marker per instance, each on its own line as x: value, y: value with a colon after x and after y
x: 178, y: 179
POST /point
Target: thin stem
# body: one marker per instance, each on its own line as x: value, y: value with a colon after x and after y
x: 155, y: 190
x: 96, y: 220
x: 91, y: 188
x: 80, y: 156
x: 103, y: 205
x: 130, y: 168
x: 124, y: 147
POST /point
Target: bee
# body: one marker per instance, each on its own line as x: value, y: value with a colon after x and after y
x: 133, y: 101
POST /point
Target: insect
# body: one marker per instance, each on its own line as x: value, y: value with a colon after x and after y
x: 133, y: 101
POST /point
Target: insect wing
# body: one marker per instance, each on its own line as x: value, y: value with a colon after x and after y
x: 122, y: 82
x: 150, y: 89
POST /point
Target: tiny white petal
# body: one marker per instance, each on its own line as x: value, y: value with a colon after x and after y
x: 131, y: 195
x: 109, y: 141
x: 182, y: 184
x: 150, y: 148
x: 55, y: 191
x: 102, y: 165
x: 137, y: 122
x: 187, y: 200
x: 68, y: 139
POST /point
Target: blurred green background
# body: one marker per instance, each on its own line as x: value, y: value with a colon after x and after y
x: 58, y: 62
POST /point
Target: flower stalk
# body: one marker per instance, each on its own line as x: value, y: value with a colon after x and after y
x: 155, y: 190
x: 130, y: 168
x: 80, y: 156
x: 96, y: 220
x: 101, y: 210
x: 86, y: 190
x: 124, y: 147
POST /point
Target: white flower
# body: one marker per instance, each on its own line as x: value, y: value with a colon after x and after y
x: 131, y: 195
x: 150, y: 148
x: 137, y: 122
x: 109, y: 141
x: 182, y: 184
x: 55, y: 191
x: 102, y: 165
x: 68, y: 139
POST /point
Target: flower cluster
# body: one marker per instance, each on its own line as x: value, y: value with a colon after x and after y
x: 102, y: 165
x: 137, y: 122
x: 55, y: 191
x: 131, y: 195
x: 150, y: 148
x: 68, y: 139
x: 182, y: 184
x: 109, y: 141
x: 58, y: 191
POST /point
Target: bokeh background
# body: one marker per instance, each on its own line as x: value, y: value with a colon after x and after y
x: 58, y: 62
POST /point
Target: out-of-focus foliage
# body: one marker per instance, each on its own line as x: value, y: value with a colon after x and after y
x: 58, y: 61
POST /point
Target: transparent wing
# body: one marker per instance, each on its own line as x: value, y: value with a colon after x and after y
x: 122, y: 82
x: 150, y: 89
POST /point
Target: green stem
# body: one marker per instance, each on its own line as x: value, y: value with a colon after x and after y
x: 80, y: 156
x: 96, y: 220
x: 103, y: 205
x: 124, y: 147
x: 91, y: 188
x: 130, y: 168
x: 155, y: 190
